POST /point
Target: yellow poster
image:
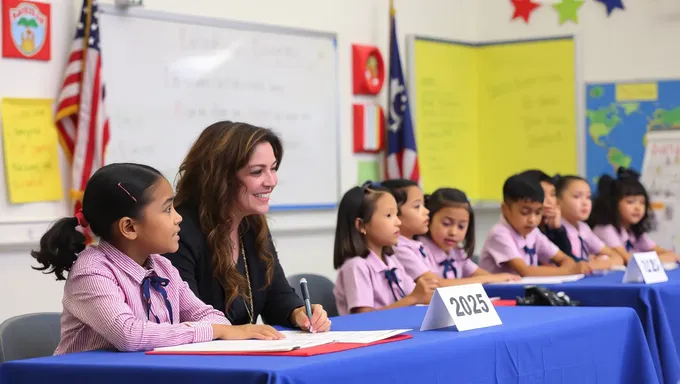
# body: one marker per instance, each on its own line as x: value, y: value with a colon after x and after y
x: 447, y: 110
x: 486, y: 111
x: 30, y: 150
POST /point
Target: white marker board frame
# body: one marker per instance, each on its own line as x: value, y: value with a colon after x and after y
x: 326, y: 200
x: 579, y: 84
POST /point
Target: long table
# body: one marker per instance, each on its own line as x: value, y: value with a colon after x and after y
x: 657, y: 305
x: 534, y: 345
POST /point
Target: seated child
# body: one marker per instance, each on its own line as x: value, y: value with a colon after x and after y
x: 121, y: 294
x: 574, y: 199
x: 551, y: 224
x: 437, y: 252
x: 369, y: 277
x: 621, y: 216
x: 515, y: 244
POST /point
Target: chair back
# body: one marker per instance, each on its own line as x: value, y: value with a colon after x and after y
x: 30, y: 335
x: 320, y: 291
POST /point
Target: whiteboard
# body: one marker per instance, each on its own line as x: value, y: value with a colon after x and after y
x: 169, y: 76
x: 661, y: 178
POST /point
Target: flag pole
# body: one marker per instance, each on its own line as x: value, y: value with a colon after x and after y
x: 389, y: 101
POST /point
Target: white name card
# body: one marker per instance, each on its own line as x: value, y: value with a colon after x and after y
x: 645, y: 267
x: 465, y: 306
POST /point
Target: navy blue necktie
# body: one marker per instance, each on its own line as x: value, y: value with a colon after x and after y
x: 629, y: 245
x: 584, y: 251
x: 391, y: 275
x: 448, y: 266
x: 531, y: 252
x: 422, y: 251
x: 159, y: 284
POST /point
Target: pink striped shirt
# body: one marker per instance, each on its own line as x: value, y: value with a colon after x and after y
x: 104, y: 308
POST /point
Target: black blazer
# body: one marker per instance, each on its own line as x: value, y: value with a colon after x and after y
x: 559, y: 237
x: 194, y: 262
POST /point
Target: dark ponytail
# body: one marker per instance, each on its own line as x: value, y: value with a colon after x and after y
x: 113, y: 192
x: 610, y: 192
x: 605, y: 187
x: 605, y: 204
x: 59, y: 247
x: 623, y: 173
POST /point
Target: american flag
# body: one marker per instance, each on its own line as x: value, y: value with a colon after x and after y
x: 402, y: 157
x: 81, y: 117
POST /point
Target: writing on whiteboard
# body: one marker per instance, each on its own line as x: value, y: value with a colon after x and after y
x: 188, y: 76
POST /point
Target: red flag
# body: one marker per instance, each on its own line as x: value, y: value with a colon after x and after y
x: 81, y: 117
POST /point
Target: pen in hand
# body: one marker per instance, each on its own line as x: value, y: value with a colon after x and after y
x: 308, y: 302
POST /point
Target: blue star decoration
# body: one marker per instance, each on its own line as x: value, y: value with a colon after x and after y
x: 612, y: 5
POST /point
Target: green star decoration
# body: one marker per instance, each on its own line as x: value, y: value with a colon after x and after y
x: 568, y: 10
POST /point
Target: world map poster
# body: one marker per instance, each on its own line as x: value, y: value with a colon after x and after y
x: 618, y: 117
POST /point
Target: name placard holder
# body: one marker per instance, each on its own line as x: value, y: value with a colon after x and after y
x: 645, y: 267
x: 465, y: 306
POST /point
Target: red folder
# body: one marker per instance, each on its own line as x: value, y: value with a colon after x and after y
x: 302, y: 352
x: 504, y: 303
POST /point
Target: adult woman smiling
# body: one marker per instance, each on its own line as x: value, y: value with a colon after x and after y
x: 225, y: 251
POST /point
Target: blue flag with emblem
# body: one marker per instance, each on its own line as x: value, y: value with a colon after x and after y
x: 401, y: 157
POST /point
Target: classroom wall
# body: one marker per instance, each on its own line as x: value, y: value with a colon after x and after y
x: 354, y: 21
x: 636, y: 43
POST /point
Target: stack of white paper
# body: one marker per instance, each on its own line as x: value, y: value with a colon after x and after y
x: 531, y: 280
x: 239, y: 346
x: 361, y: 337
x: 294, y: 340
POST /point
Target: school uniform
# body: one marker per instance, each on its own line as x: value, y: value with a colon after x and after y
x: 411, y: 255
x: 622, y: 238
x: 583, y: 241
x: 111, y: 302
x: 558, y: 236
x: 504, y: 244
x: 449, y: 265
x: 369, y: 282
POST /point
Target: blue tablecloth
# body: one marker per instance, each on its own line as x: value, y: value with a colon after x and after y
x: 534, y: 345
x: 657, y: 305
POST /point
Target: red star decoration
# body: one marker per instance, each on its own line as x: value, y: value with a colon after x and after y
x: 523, y: 9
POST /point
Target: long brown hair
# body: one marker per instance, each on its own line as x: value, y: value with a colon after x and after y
x: 208, y: 178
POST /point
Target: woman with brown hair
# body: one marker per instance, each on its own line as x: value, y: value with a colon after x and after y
x: 226, y: 254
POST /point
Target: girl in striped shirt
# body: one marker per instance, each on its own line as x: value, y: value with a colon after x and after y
x: 120, y: 294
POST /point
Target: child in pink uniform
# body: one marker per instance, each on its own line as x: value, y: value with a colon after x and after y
x: 620, y: 216
x: 369, y: 277
x: 574, y: 199
x: 515, y: 244
x: 432, y: 231
x: 120, y: 294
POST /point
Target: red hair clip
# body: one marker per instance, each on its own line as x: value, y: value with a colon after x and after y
x: 81, y: 219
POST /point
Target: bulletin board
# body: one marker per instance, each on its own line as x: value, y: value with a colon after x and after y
x: 483, y: 112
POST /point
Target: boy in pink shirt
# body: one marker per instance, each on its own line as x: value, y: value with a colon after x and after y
x: 515, y: 244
